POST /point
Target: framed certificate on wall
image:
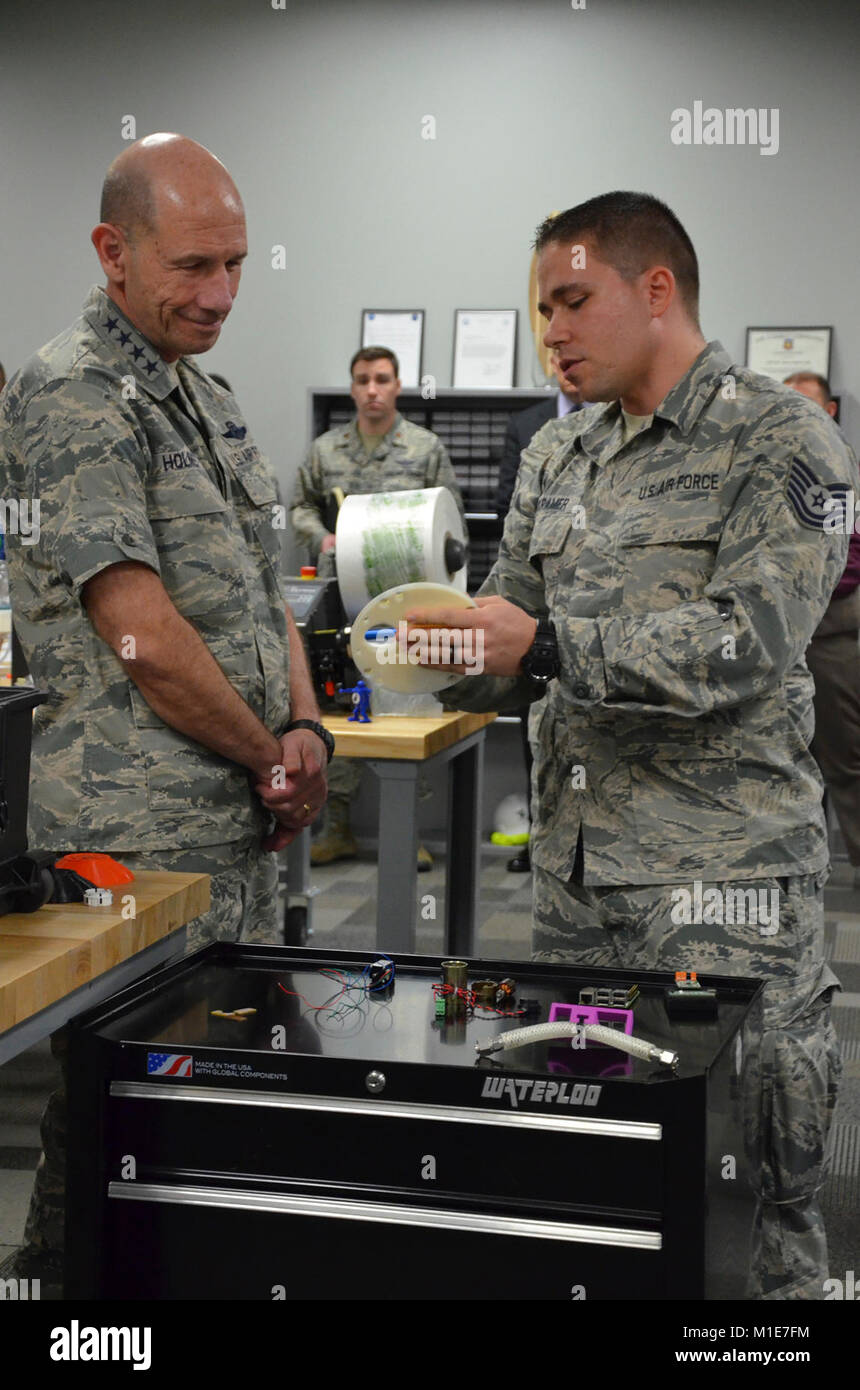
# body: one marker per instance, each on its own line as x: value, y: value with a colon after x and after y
x: 485, y: 345
x: 401, y: 330
x: 780, y: 352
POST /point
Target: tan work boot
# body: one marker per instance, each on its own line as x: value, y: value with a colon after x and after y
x: 336, y: 839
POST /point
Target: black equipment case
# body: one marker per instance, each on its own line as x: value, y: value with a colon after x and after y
x: 23, y: 886
x: 362, y: 1150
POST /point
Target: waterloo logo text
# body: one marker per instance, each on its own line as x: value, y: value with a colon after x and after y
x: 549, y: 1092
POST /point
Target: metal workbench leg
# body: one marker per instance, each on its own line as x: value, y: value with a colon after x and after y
x: 465, y: 800
x: 297, y: 902
x: 397, y: 899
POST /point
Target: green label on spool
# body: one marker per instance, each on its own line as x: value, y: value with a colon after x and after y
x: 391, y: 555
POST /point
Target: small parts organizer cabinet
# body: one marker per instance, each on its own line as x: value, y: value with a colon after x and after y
x: 363, y: 1151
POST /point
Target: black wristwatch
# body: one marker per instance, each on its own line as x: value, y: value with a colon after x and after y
x: 318, y: 729
x: 541, y: 663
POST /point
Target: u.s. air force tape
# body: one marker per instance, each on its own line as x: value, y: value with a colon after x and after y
x: 812, y: 502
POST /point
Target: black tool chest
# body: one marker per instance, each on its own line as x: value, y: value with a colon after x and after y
x: 363, y: 1151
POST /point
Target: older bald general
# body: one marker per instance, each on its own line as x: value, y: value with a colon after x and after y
x: 171, y: 242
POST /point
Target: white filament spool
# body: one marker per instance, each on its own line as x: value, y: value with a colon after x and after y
x: 385, y: 539
x: 386, y: 611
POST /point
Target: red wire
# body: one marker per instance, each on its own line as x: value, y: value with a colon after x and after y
x: 443, y: 991
x: 329, y: 1002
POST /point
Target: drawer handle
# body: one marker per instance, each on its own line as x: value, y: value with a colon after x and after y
x: 551, y: 1120
x: 340, y: 1209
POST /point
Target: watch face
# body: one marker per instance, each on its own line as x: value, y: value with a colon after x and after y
x: 539, y: 672
x: 541, y: 662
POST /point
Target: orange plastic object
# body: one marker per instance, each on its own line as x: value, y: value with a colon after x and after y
x: 99, y: 869
x: 308, y: 572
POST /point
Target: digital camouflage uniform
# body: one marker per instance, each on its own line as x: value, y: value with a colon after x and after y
x: 130, y: 461
x: 408, y: 456
x: 685, y: 570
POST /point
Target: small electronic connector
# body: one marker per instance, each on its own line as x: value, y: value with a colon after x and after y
x: 481, y: 1001
x: 687, y: 998
x: 609, y: 997
x: 529, y: 1008
x: 380, y: 979
x: 506, y: 994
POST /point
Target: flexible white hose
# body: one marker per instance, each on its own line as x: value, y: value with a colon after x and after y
x: 625, y: 1042
x: 596, y: 1032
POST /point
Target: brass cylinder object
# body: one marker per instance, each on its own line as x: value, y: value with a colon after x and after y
x: 455, y: 973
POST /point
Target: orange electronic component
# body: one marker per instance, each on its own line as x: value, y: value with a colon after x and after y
x: 99, y: 869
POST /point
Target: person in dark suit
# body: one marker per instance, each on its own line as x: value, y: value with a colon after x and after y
x: 522, y: 427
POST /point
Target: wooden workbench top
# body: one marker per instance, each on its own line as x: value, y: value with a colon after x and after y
x: 403, y: 736
x: 45, y: 955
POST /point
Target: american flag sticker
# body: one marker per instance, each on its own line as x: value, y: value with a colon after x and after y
x: 168, y: 1064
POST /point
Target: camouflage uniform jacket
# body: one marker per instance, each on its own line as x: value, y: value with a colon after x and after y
x: 128, y: 467
x: 685, y: 572
x: 407, y: 457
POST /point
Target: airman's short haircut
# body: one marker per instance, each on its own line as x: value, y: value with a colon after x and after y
x: 373, y: 354
x: 631, y: 232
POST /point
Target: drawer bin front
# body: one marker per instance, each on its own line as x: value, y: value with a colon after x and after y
x: 218, y: 1244
x: 521, y: 1156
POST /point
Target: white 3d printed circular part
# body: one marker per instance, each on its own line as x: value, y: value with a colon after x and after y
x: 387, y: 660
x: 98, y: 897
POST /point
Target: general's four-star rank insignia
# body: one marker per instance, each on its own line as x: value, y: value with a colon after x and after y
x: 813, y: 502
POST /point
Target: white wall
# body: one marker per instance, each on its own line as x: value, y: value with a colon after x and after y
x: 317, y: 110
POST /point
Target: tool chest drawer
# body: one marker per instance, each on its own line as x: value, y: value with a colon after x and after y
x: 205, y: 1242
x: 402, y: 1145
